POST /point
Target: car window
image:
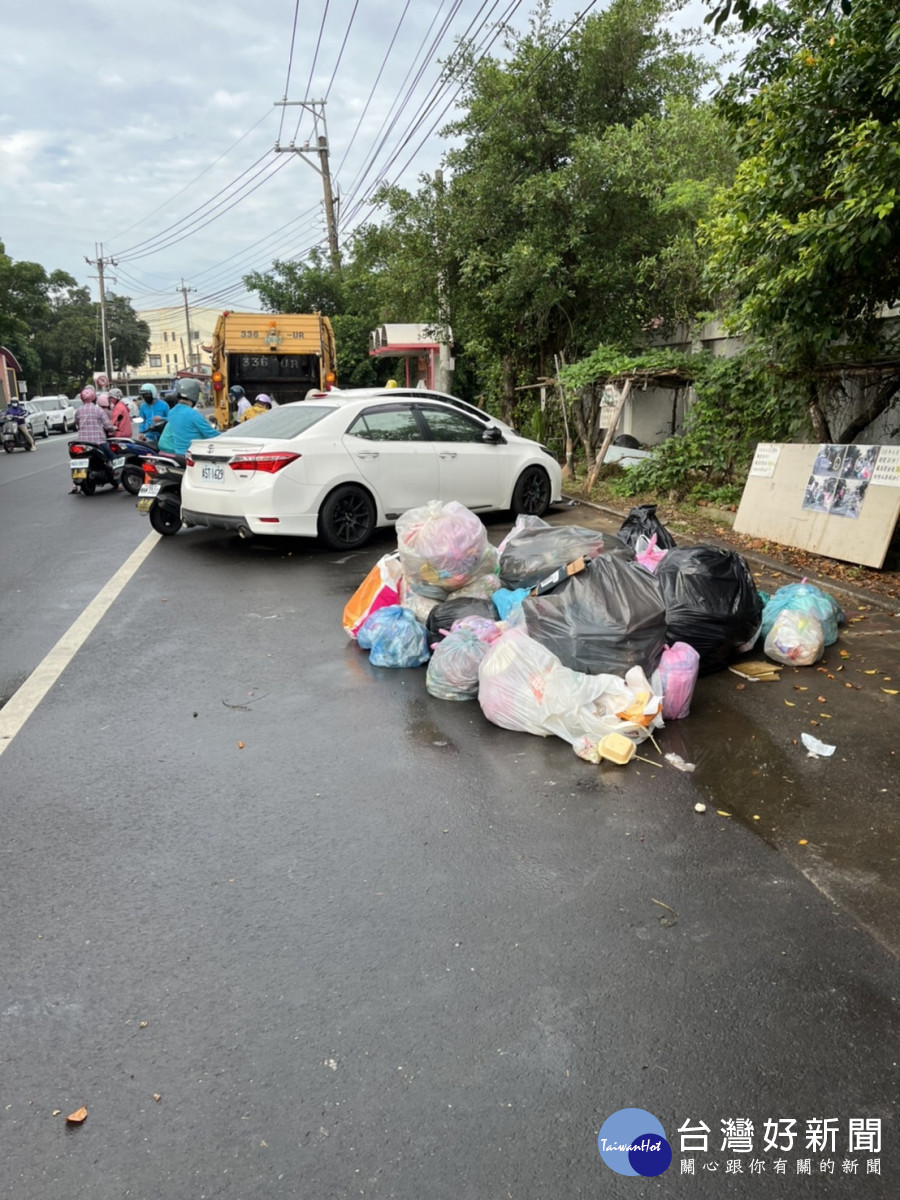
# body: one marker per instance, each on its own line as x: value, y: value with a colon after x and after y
x: 285, y: 422
x: 387, y: 425
x: 448, y: 426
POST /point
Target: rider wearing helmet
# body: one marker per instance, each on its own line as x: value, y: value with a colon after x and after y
x: 185, y: 424
x: 261, y: 404
x: 238, y: 398
x: 92, y: 423
x: 120, y: 413
x: 153, y: 412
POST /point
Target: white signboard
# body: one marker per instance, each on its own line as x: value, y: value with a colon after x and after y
x: 765, y: 460
x: 887, y: 467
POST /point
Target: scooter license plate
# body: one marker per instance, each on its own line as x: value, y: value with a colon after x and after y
x: 79, y: 468
x: 144, y: 503
x: 149, y: 489
x: 118, y: 462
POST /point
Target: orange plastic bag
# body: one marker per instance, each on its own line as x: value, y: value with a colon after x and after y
x: 379, y: 588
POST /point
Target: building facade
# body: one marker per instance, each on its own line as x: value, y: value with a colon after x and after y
x: 171, y: 349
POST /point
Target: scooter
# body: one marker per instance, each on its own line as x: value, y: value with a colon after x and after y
x: 13, y: 436
x: 135, y: 453
x: 92, y: 469
x: 160, y: 496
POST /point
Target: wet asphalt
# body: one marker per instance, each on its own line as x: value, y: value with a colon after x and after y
x: 287, y: 926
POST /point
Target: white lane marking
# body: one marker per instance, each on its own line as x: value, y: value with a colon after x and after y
x: 22, y: 703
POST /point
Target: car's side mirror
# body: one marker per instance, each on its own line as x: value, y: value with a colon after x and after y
x: 493, y: 434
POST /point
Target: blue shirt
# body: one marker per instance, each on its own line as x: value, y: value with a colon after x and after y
x: 150, y: 409
x: 185, y: 426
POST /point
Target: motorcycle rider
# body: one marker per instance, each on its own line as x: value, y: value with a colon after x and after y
x: 185, y: 425
x: 15, y: 411
x: 238, y: 397
x: 152, y: 410
x: 120, y: 414
x: 261, y: 404
x: 93, y: 424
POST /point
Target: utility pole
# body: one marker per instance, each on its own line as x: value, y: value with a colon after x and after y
x: 445, y: 362
x: 99, y: 262
x: 320, y: 149
x: 187, y: 320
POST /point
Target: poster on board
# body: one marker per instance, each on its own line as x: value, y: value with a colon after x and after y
x: 839, y: 480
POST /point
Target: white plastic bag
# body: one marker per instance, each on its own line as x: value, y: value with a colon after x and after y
x: 525, y: 687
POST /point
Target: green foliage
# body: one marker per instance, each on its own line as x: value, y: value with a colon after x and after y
x: 805, y: 245
x: 738, y: 404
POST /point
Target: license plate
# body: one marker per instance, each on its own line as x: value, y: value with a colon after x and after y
x: 79, y: 466
x: 144, y: 503
x: 118, y: 462
x: 212, y: 473
x: 149, y: 489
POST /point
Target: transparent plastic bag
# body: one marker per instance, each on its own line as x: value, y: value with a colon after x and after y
x: 453, y: 669
x: 534, y: 549
x: 443, y: 547
x: 796, y: 638
x: 380, y: 588
x: 523, y: 686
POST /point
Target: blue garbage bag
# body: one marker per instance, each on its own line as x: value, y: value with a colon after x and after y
x: 804, y: 598
x: 394, y: 638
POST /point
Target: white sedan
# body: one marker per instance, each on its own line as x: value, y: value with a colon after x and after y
x: 339, y: 467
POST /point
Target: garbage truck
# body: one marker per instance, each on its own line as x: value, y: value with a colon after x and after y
x: 284, y: 355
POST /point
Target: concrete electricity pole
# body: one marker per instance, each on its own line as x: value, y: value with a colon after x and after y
x: 184, y: 289
x: 445, y: 360
x: 321, y: 149
x: 99, y: 262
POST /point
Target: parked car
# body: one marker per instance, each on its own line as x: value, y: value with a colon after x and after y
x: 416, y: 394
x: 342, y: 466
x: 59, y: 411
x: 37, y: 420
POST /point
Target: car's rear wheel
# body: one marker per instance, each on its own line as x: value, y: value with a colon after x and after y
x: 531, y: 494
x: 132, y: 478
x: 347, y: 518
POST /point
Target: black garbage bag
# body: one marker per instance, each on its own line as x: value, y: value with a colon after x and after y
x: 604, y: 620
x: 643, y: 520
x: 444, y: 614
x: 711, y: 603
x: 533, y: 549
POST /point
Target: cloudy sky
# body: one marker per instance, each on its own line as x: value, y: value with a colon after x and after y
x: 150, y: 129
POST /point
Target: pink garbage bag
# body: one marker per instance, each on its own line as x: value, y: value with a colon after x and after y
x: 678, y: 670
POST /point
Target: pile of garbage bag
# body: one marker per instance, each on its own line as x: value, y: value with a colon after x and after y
x: 563, y: 631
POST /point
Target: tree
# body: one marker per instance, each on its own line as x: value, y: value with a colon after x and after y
x: 346, y: 297
x: 67, y: 338
x: 805, y: 246
x: 23, y: 302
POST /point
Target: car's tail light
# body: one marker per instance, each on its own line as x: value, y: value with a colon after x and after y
x: 190, y: 461
x: 269, y: 463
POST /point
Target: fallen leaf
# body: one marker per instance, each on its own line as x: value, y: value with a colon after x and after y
x: 57, y: 1111
x: 722, y: 812
x: 827, y: 716
x: 871, y: 672
x: 739, y: 687
x: 844, y: 653
x: 890, y: 691
x: 78, y: 1116
x: 143, y: 1025
x: 830, y: 676
x: 803, y: 842
x: 790, y: 704
x: 240, y: 745
x: 798, y: 688
x: 821, y: 699
x: 157, y: 1097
